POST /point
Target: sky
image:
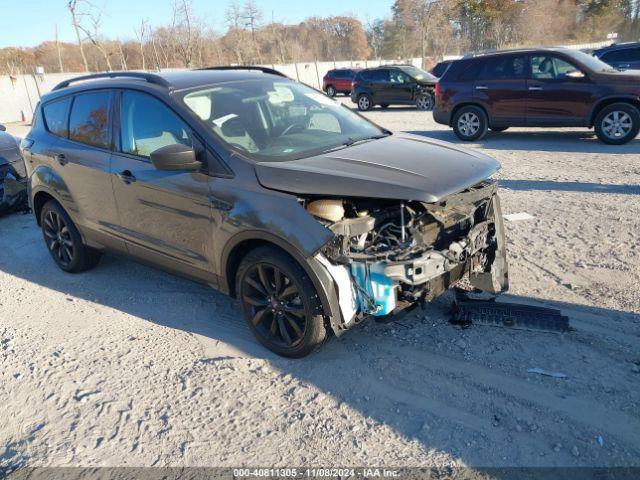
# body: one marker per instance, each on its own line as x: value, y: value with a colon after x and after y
x: 27, y: 23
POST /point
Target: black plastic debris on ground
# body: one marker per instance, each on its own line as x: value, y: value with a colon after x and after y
x: 468, y: 311
x: 13, y: 192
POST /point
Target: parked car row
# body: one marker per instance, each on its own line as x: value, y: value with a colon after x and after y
x: 383, y: 86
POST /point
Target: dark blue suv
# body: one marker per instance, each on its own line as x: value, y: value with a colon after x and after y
x: 625, y: 56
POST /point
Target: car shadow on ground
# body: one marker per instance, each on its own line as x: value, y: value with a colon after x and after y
x: 538, y: 140
x: 421, y: 376
x: 585, y: 187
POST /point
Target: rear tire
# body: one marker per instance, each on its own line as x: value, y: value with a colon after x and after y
x: 331, y: 91
x: 280, y: 303
x: 498, y: 129
x: 470, y: 123
x: 63, y: 240
x: 384, y: 105
x: 364, y: 102
x: 617, y: 124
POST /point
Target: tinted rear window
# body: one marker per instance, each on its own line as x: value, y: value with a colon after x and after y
x: 380, y: 75
x: 504, y: 67
x: 89, y: 119
x: 469, y: 71
x: 55, y: 116
x: 625, y: 55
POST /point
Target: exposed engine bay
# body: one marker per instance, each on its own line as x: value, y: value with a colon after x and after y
x: 388, y: 255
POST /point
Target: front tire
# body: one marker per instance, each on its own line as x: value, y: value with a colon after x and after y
x: 331, y: 91
x: 424, y: 102
x: 470, y: 123
x: 617, y: 124
x: 364, y: 102
x: 63, y: 240
x: 280, y: 304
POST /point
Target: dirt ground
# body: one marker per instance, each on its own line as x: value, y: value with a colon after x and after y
x: 125, y: 365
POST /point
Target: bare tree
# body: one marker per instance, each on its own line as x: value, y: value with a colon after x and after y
x: 252, y: 15
x: 94, y: 18
x: 73, y: 9
x: 186, y: 31
x: 123, y: 57
x: 140, y: 35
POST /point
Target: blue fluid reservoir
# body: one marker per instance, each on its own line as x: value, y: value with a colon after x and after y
x: 379, y: 287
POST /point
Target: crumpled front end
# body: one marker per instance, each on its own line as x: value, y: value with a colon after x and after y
x: 387, y: 256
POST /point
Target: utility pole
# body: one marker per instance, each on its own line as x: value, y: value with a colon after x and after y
x: 58, y: 49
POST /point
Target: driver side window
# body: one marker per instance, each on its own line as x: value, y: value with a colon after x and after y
x: 548, y: 67
x: 147, y: 124
x: 396, y: 76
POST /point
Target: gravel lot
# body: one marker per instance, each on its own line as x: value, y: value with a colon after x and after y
x: 125, y: 365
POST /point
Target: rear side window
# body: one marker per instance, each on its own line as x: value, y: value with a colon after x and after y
x: 147, y: 124
x: 365, y: 75
x: 469, y: 73
x: 380, y: 75
x: 55, y: 116
x: 89, y: 119
x: 504, y: 67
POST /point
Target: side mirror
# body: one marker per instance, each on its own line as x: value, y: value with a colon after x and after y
x: 175, y: 157
x: 3, y: 128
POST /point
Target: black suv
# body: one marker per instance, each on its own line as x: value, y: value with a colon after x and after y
x: 240, y: 178
x: 625, y: 56
x: 548, y: 87
x: 393, y: 85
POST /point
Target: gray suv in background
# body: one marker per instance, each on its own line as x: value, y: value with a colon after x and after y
x: 265, y: 189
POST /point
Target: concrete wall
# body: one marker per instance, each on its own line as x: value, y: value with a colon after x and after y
x: 19, y: 94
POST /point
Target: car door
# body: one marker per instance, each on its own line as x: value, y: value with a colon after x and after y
x: 501, y: 88
x: 81, y: 156
x: 624, y: 58
x: 380, y: 86
x: 402, y: 86
x: 165, y: 216
x: 343, y: 80
x: 558, y: 92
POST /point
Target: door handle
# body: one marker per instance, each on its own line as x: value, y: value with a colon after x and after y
x: 482, y: 87
x: 61, y: 159
x: 624, y: 65
x: 126, y: 176
x: 535, y: 89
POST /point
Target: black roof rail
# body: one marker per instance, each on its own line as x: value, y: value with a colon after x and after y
x: 272, y: 71
x: 149, y: 77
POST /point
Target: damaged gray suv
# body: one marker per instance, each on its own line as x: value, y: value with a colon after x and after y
x: 311, y: 216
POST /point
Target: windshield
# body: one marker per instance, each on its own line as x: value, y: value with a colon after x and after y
x: 277, y: 119
x: 592, y: 63
x: 419, y: 74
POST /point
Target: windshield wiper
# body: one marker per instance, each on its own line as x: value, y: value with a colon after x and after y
x: 352, y: 141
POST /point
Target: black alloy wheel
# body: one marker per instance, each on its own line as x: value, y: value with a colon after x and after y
x: 58, y: 238
x: 277, y: 307
x: 64, y: 241
x: 280, y: 303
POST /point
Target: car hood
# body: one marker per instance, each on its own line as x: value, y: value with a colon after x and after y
x: 628, y: 77
x: 401, y: 167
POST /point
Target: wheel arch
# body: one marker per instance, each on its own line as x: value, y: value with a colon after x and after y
x: 243, y: 243
x: 605, y: 102
x: 460, y: 105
